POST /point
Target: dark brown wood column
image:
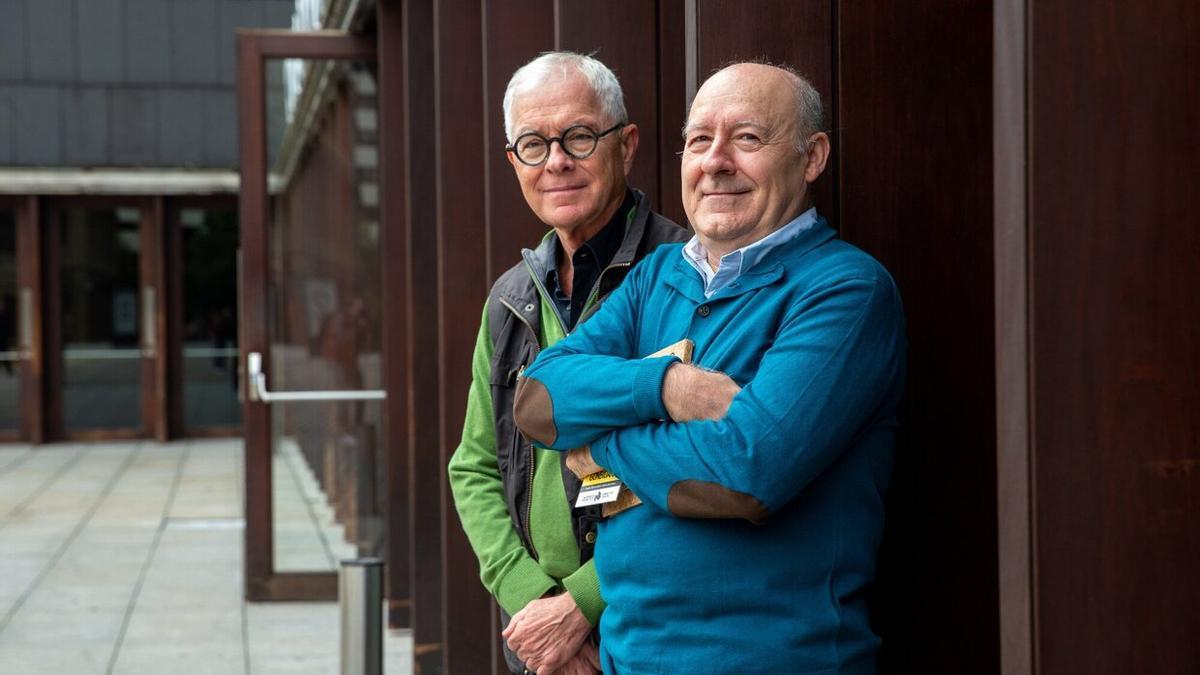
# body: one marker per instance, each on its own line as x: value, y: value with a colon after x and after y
x: 396, y: 295
x: 914, y: 132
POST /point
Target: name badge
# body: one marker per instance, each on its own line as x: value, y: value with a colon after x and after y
x: 598, y: 488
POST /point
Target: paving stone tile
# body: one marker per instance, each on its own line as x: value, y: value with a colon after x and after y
x: 186, y: 617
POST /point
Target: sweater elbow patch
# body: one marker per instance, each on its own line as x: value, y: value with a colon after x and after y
x: 533, y: 412
x: 702, y: 499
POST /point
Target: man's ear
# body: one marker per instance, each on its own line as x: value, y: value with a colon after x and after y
x: 818, y: 156
x: 512, y: 159
x: 629, y: 145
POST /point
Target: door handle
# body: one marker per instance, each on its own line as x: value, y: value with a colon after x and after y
x: 259, y: 391
x: 149, y: 323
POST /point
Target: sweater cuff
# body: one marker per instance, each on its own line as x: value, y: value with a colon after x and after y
x: 584, y: 587
x: 599, y: 450
x: 647, y: 388
x: 524, y: 582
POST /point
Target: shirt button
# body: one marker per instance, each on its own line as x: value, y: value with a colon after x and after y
x: 590, y: 537
x: 703, y: 310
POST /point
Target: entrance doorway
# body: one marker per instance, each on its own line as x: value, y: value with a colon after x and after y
x: 100, y: 320
x: 118, y: 317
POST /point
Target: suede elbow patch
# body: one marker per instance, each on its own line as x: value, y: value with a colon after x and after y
x: 702, y: 499
x: 534, y: 412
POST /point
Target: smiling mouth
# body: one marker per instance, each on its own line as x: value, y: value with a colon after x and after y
x: 563, y: 188
x: 725, y: 193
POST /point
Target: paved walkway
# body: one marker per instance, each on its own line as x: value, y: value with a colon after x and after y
x: 127, y: 558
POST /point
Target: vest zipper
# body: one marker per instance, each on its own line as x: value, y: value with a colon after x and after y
x: 596, y: 290
x: 532, y: 460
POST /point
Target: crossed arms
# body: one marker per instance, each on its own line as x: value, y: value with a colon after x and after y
x: 833, y: 361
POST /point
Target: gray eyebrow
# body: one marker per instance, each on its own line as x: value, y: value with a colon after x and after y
x: 736, y: 125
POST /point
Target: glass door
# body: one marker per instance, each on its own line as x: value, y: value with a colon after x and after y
x: 310, y: 331
x: 101, y: 327
x: 204, y: 239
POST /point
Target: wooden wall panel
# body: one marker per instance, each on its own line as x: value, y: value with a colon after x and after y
x: 1114, y: 101
x: 515, y: 33
x: 424, y: 485
x: 623, y: 36
x: 462, y: 286
x: 672, y: 106
x: 915, y: 187
x: 394, y: 236
x: 798, y: 34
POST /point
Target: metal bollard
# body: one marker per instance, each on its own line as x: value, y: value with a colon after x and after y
x: 360, y: 594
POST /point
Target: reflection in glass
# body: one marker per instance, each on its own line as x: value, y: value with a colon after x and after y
x: 210, y: 350
x: 8, y: 323
x: 323, y: 327
x: 100, y: 319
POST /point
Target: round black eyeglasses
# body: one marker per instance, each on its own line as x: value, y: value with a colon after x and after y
x: 579, y: 142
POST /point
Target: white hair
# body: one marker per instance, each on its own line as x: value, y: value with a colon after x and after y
x: 810, y: 113
x: 550, y: 64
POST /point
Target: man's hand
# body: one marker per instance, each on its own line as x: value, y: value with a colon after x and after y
x: 547, y: 633
x: 580, y: 462
x: 585, y: 662
x: 691, y: 393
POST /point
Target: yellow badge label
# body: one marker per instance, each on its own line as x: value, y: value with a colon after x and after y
x: 599, y: 478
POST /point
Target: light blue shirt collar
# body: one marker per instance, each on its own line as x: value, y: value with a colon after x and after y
x: 736, y: 263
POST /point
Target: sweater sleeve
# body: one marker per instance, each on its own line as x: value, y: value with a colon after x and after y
x: 833, y: 365
x: 835, y: 362
x: 584, y: 586
x: 507, y: 570
x: 593, y: 380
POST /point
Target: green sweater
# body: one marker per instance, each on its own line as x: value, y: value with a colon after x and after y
x: 508, y: 571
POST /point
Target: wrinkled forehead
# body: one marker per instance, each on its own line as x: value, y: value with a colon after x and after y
x: 726, y: 99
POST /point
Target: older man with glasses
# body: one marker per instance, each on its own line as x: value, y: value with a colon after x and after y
x: 571, y: 146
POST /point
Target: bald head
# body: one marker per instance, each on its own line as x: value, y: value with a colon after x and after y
x: 809, y: 111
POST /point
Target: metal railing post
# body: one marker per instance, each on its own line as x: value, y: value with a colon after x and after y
x: 360, y: 594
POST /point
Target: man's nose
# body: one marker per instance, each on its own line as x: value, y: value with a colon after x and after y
x: 718, y: 158
x: 559, y: 160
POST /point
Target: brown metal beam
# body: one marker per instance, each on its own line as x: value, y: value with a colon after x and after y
x: 252, y: 324
x: 317, y: 44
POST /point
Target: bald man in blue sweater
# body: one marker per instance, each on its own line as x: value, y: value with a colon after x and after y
x: 764, y: 464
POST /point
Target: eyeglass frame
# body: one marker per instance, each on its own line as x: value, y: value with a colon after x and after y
x: 550, y: 142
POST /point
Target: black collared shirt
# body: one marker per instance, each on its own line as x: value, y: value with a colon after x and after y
x: 588, y: 262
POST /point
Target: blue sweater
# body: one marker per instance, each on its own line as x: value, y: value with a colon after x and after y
x: 814, y: 334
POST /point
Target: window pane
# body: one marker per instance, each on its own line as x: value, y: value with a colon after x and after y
x: 210, y: 349
x: 101, y: 320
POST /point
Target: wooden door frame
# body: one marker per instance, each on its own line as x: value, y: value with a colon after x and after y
x: 150, y: 278
x: 30, y: 426
x: 254, y: 48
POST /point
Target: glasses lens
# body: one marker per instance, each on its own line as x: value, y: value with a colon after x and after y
x: 579, y: 141
x: 531, y: 148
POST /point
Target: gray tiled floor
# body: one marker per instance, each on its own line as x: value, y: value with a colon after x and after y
x: 127, y: 558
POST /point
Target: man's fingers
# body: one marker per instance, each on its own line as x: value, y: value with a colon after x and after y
x: 591, y: 654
